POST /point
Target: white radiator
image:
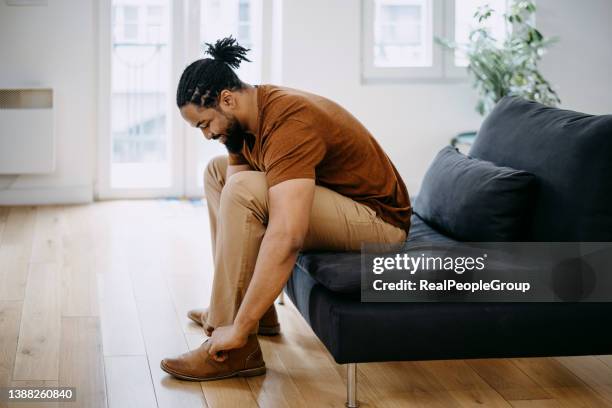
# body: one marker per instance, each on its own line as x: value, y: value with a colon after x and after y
x: 27, y: 131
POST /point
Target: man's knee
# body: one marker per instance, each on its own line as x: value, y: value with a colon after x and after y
x: 215, y: 170
x: 246, y: 187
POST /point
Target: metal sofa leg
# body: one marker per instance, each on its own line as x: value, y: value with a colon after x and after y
x: 351, y: 385
x: 281, y: 298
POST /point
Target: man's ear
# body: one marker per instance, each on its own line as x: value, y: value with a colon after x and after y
x: 227, y: 99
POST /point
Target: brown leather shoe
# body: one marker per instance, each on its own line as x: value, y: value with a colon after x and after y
x: 197, y: 365
x: 268, y: 324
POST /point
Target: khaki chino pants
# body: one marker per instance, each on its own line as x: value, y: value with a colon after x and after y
x: 238, y: 210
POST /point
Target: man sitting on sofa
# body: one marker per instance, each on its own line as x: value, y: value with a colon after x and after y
x: 301, y: 173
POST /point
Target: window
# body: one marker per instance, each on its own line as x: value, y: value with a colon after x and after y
x: 244, y: 23
x: 398, y: 36
x: 145, y: 148
x: 402, y: 33
x: 130, y: 22
x: 140, y: 60
x: 155, y: 22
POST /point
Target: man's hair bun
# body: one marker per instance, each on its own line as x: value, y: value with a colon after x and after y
x: 203, y: 80
x: 227, y: 50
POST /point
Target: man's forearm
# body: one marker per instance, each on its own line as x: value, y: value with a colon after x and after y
x: 275, y: 261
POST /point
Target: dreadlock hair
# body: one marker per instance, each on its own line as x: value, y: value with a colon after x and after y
x: 203, y: 80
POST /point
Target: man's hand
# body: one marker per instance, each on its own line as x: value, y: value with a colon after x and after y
x: 225, y: 338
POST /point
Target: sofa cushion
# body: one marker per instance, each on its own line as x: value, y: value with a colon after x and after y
x: 570, y: 153
x: 341, y: 271
x: 474, y: 200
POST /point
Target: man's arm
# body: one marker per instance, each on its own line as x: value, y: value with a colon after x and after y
x: 290, y: 203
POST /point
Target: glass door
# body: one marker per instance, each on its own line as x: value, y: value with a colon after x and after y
x: 146, y: 149
x: 140, y: 145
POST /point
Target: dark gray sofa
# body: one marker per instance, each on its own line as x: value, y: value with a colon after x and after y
x: 570, y: 154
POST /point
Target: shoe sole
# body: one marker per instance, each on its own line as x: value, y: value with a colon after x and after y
x: 262, y: 331
x: 251, y: 372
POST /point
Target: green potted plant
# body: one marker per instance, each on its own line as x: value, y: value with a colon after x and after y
x: 509, y: 68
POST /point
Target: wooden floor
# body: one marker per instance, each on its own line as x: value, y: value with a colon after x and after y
x: 95, y: 296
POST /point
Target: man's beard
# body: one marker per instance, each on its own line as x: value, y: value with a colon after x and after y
x: 235, y: 135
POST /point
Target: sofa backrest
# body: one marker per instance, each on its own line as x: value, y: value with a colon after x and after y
x: 570, y: 153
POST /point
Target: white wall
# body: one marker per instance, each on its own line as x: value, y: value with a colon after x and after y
x: 55, y: 46
x: 580, y: 64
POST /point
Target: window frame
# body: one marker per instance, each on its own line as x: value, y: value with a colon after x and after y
x: 370, y: 71
x: 443, y: 66
x: 451, y: 70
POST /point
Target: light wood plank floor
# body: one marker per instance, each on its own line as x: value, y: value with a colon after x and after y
x: 93, y: 296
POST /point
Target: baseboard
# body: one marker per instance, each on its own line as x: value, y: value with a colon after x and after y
x: 42, y: 196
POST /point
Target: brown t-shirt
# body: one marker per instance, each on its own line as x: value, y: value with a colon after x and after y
x: 302, y: 135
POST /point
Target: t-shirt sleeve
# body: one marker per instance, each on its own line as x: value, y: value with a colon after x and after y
x: 236, y: 159
x: 292, y: 151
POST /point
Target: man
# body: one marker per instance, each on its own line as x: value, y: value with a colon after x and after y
x: 301, y: 174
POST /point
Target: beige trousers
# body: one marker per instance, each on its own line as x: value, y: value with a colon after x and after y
x: 238, y: 210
